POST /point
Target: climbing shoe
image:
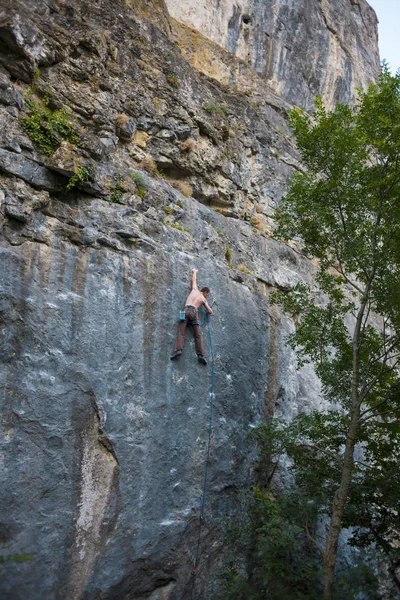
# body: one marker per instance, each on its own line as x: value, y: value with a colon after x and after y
x: 202, y: 359
x: 176, y: 354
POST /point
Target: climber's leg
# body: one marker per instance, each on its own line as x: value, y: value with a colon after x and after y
x: 180, y: 339
x: 198, y: 340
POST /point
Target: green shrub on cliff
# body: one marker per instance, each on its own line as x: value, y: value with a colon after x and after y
x: 81, y: 176
x: 47, y: 128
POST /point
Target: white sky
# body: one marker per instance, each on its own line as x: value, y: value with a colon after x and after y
x: 388, y: 13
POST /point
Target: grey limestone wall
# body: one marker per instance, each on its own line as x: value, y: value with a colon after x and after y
x: 103, y: 438
x: 302, y: 48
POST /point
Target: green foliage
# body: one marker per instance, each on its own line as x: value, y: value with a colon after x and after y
x: 228, y: 255
x: 277, y: 542
x: 15, y: 558
x: 345, y: 205
x: 218, y: 109
x: 45, y: 127
x: 314, y: 439
x: 180, y: 227
x: 81, y: 175
x: 219, y: 230
x: 243, y: 269
x: 179, y: 203
x: 141, y: 183
x: 19, y: 558
x: 373, y: 505
x: 142, y: 192
x: 139, y: 179
x: 344, y: 210
x: 173, y: 80
x: 273, y: 558
x: 116, y: 191
x: 357, y: 581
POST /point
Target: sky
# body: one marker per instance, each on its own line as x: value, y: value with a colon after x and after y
x: 388, y: 13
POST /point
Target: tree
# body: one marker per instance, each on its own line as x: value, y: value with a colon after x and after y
x: 344, y: 210
x: 272, y: 559
x: 274, y: 533
x: 314, y: 444
x: 373, y: 507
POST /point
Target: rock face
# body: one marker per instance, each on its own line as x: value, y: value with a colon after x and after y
x: 103, y: 438
x: 302, y: 49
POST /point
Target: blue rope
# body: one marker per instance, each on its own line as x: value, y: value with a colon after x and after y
x: 210, y: 436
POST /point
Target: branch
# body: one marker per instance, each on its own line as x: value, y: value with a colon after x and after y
x: 269, y: 478
x: 322, y: 450
x: 343, y: 274
x: 360, y: 462
x: 387, y: 351
x: 365, y: 390
x: 386, y: 412
x: 312, y: 539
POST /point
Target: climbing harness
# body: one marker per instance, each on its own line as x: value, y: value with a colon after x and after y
x: 208, y: 454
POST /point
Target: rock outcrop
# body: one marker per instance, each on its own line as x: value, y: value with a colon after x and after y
x: 122, y: 166
x: 301, y: 49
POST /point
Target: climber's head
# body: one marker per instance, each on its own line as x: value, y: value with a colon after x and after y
x: 205, y: 291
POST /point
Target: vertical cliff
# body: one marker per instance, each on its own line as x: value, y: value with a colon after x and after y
x: 301, y: 49
x: 131, y: 149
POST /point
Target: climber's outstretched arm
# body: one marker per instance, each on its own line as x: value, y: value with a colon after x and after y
x: 194, y: 279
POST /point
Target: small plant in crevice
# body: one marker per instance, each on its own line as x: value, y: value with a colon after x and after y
x: 149, y: 164
x: 218, y: 109
x: 47, y: 128
x: 241, y: 267
x: 116, y: 191
x: 17, y: 558
x: 95, y: 84
x: 184, y: 187
x: 257, y: 222
x: 116, y: 195
x: 81, y: 175
x: 188, y: 145
x: 179, y: 203
x: 173, y: 80
x: 121, y: 120
x: 139, y: 179
x: 142, y: 193
x: 219, y: 230
x: 179, y: 226
x: 141, y: 183
x: 228, y: 255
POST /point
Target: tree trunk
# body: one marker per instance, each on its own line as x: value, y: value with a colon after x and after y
x: 341, y: 494
x: 339, y: 502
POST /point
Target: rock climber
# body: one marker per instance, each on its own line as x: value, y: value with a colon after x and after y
x: 195, y: 299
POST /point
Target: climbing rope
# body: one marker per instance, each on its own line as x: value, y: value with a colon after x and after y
x: 208, y: 454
